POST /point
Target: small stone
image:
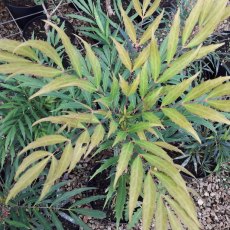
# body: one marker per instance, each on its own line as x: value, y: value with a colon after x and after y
x: 200, y: 202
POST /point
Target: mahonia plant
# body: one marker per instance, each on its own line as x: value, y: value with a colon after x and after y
x: 129, y: 111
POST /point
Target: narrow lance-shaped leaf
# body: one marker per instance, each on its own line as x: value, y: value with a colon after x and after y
x: 133, y: 87
x: 142, y: 58
x: 207, y: 113
x: 136, y: 180
x: 155, y: 59
x: 124, y: 55
x: 174, y: 221
x: 124, y: 158
x: 12, y: 58
x: 49, y: 180
x: 137, y: 7
x: 27, y: 178
x: 161, y: 215
x: 205, y: 11
x: 143, y: 85
x: 45, y: 48
x: 207, y: 49
x: 80, y: 149
x: 151, y: 98
x: 151, y: 29
x: 33, y: 157
x: 149, y: 200
x: 152, y: 8
x: 222, y: 105
x: 145, y: 5
x: 129, y: 27
x: 112, y: 128
x: 222, y: 90
x: 173, y: 38
x: 69, y: 48
x: 45, y: 141
x: 192, y: 21
x: 181, y: 121
x: 168, y: 146
x: 124, y: 86
x: 94, y: 62
x: 177, y: 91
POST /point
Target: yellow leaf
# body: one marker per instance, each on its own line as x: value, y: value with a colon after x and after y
x: 222, y: 90
x: 181, y: 121
x: 124, y: 86
x: 45, y: 141
x: 64, y: 82
x: 33, y: 157
x: 143, y: 88
x: 129, y: 27
x: 166, y: 145
x: 192, y: 21
x: 124, y: 55
x: 152, y: 8
x: 69, y: 49
x: 155, y: 59
x: 49, y: 180
x: 208, y: 4
x: 145, y: 5
x: 124, y: 158
x: 133, y: 87
x: 151, y: 29
x: 12, y: 58
x: 226, y: 13
x: 161, y: 215
x: 112, y: 128
x: 149, y: 200
x: 207, y: 49
x: 207, y: 113
x: 137, y: 7
x: 45, y: 48
x: 151, y: 117
x: 173, y: 37
x: 142, y: 58
x: 136, y: 180
x: 174, y: 221
x: 177, y: 91
x: 184, y: 170
x: 151, y: 98
x: 27, y: 178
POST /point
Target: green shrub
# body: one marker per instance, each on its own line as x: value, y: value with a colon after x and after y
x: 126, y: 109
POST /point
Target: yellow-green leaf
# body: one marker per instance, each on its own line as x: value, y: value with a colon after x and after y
x: 184, y: 170
x: 177, y: 91
x: 124, y: 86
x: 124, y: 158
x: 207, y: 49
x: 208, y: 4
x: 174, y: 221
x: 12, y: 58
x: 168, y: 146
x: 121, y: 136
x: 69, y: 49
x: 49, y: 180
x: 112, y: 128
x: 145, y: 5
x: 226, y: 14
x: 45, y: 141
x: 136, y: 180
x: 152, y: 8
x: 151, y: 117
x: 143, y: 85
x: 129, y: 27
x: 45, y: 48
x: 204, y: 88
x: 124, y: 55
x: 79, y: 149
x: 151, y: 29
x: 192, y: 21
x: 142, y: 58
x: 161, y: 215
x: 133, y: 87
x: 64, y: 82
x: 137, y: 7
x: 207, y: 113
x: 181, y: 121
x: 149, y: 200
x: 155, y: 59
x: 96, y: 138
x: 151, y: 98
x: 27, y: 178
x: 222, y: 90
x: 173, y: 37
x: 33, y: 157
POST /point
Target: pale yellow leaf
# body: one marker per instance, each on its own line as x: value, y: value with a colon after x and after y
x: 222, y: 90
x: 145, y: 5
x: 174, y: 221
x: 152, y: 8
x: 12, y: 58
x: 207, y: 49
x: 137, y: 7
x: 206, y: 10
x: 161, y: 215
x: 168, y: 146
x: 142, y: 58
x: 112, y: 128
x: 144, y: 80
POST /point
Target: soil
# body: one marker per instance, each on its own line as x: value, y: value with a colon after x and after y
x: 24, y: 3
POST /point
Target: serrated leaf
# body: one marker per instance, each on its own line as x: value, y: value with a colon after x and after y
x: 222, y: 105
x: 129, y: 27
x: 178, y: 65
x: 32, y: 158
x: 173, y: 37
x: 177, y: 91
x: 137, y: 7
x: 27, y: 178
x: 207, y: 113
x: 142, y: 58
x: 143, y: 85
x: 124, y: 158
x: 12, y: 58
x: 124, y: 55
x: 49, y: 180
x: 69, y: 49
x: 94, y: 62
x: 155, y: 59
x: 96, y: 138
x: 112, y: 127
x: 152, y: 8
x: 204, y: 88
x: 168, y: 146
x: 64, y: 161
x: 149, y: 200
x: 45, y: 141
x: 136, y: 180
x: 45, y: 48
x: 192, y: 21
x: 174, y: 221
x: 151, y: 29
x: 222, y: 90
x: 64, y: 82
x: 161, y: 215
x: 79, y: 149
x: 184, y: 217
x: 205, y: 11
x: 181, y: 121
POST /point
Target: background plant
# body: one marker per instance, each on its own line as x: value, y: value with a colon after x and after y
x: 129, y: 111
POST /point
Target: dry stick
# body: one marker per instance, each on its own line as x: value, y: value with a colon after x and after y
x: 109, y: 8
